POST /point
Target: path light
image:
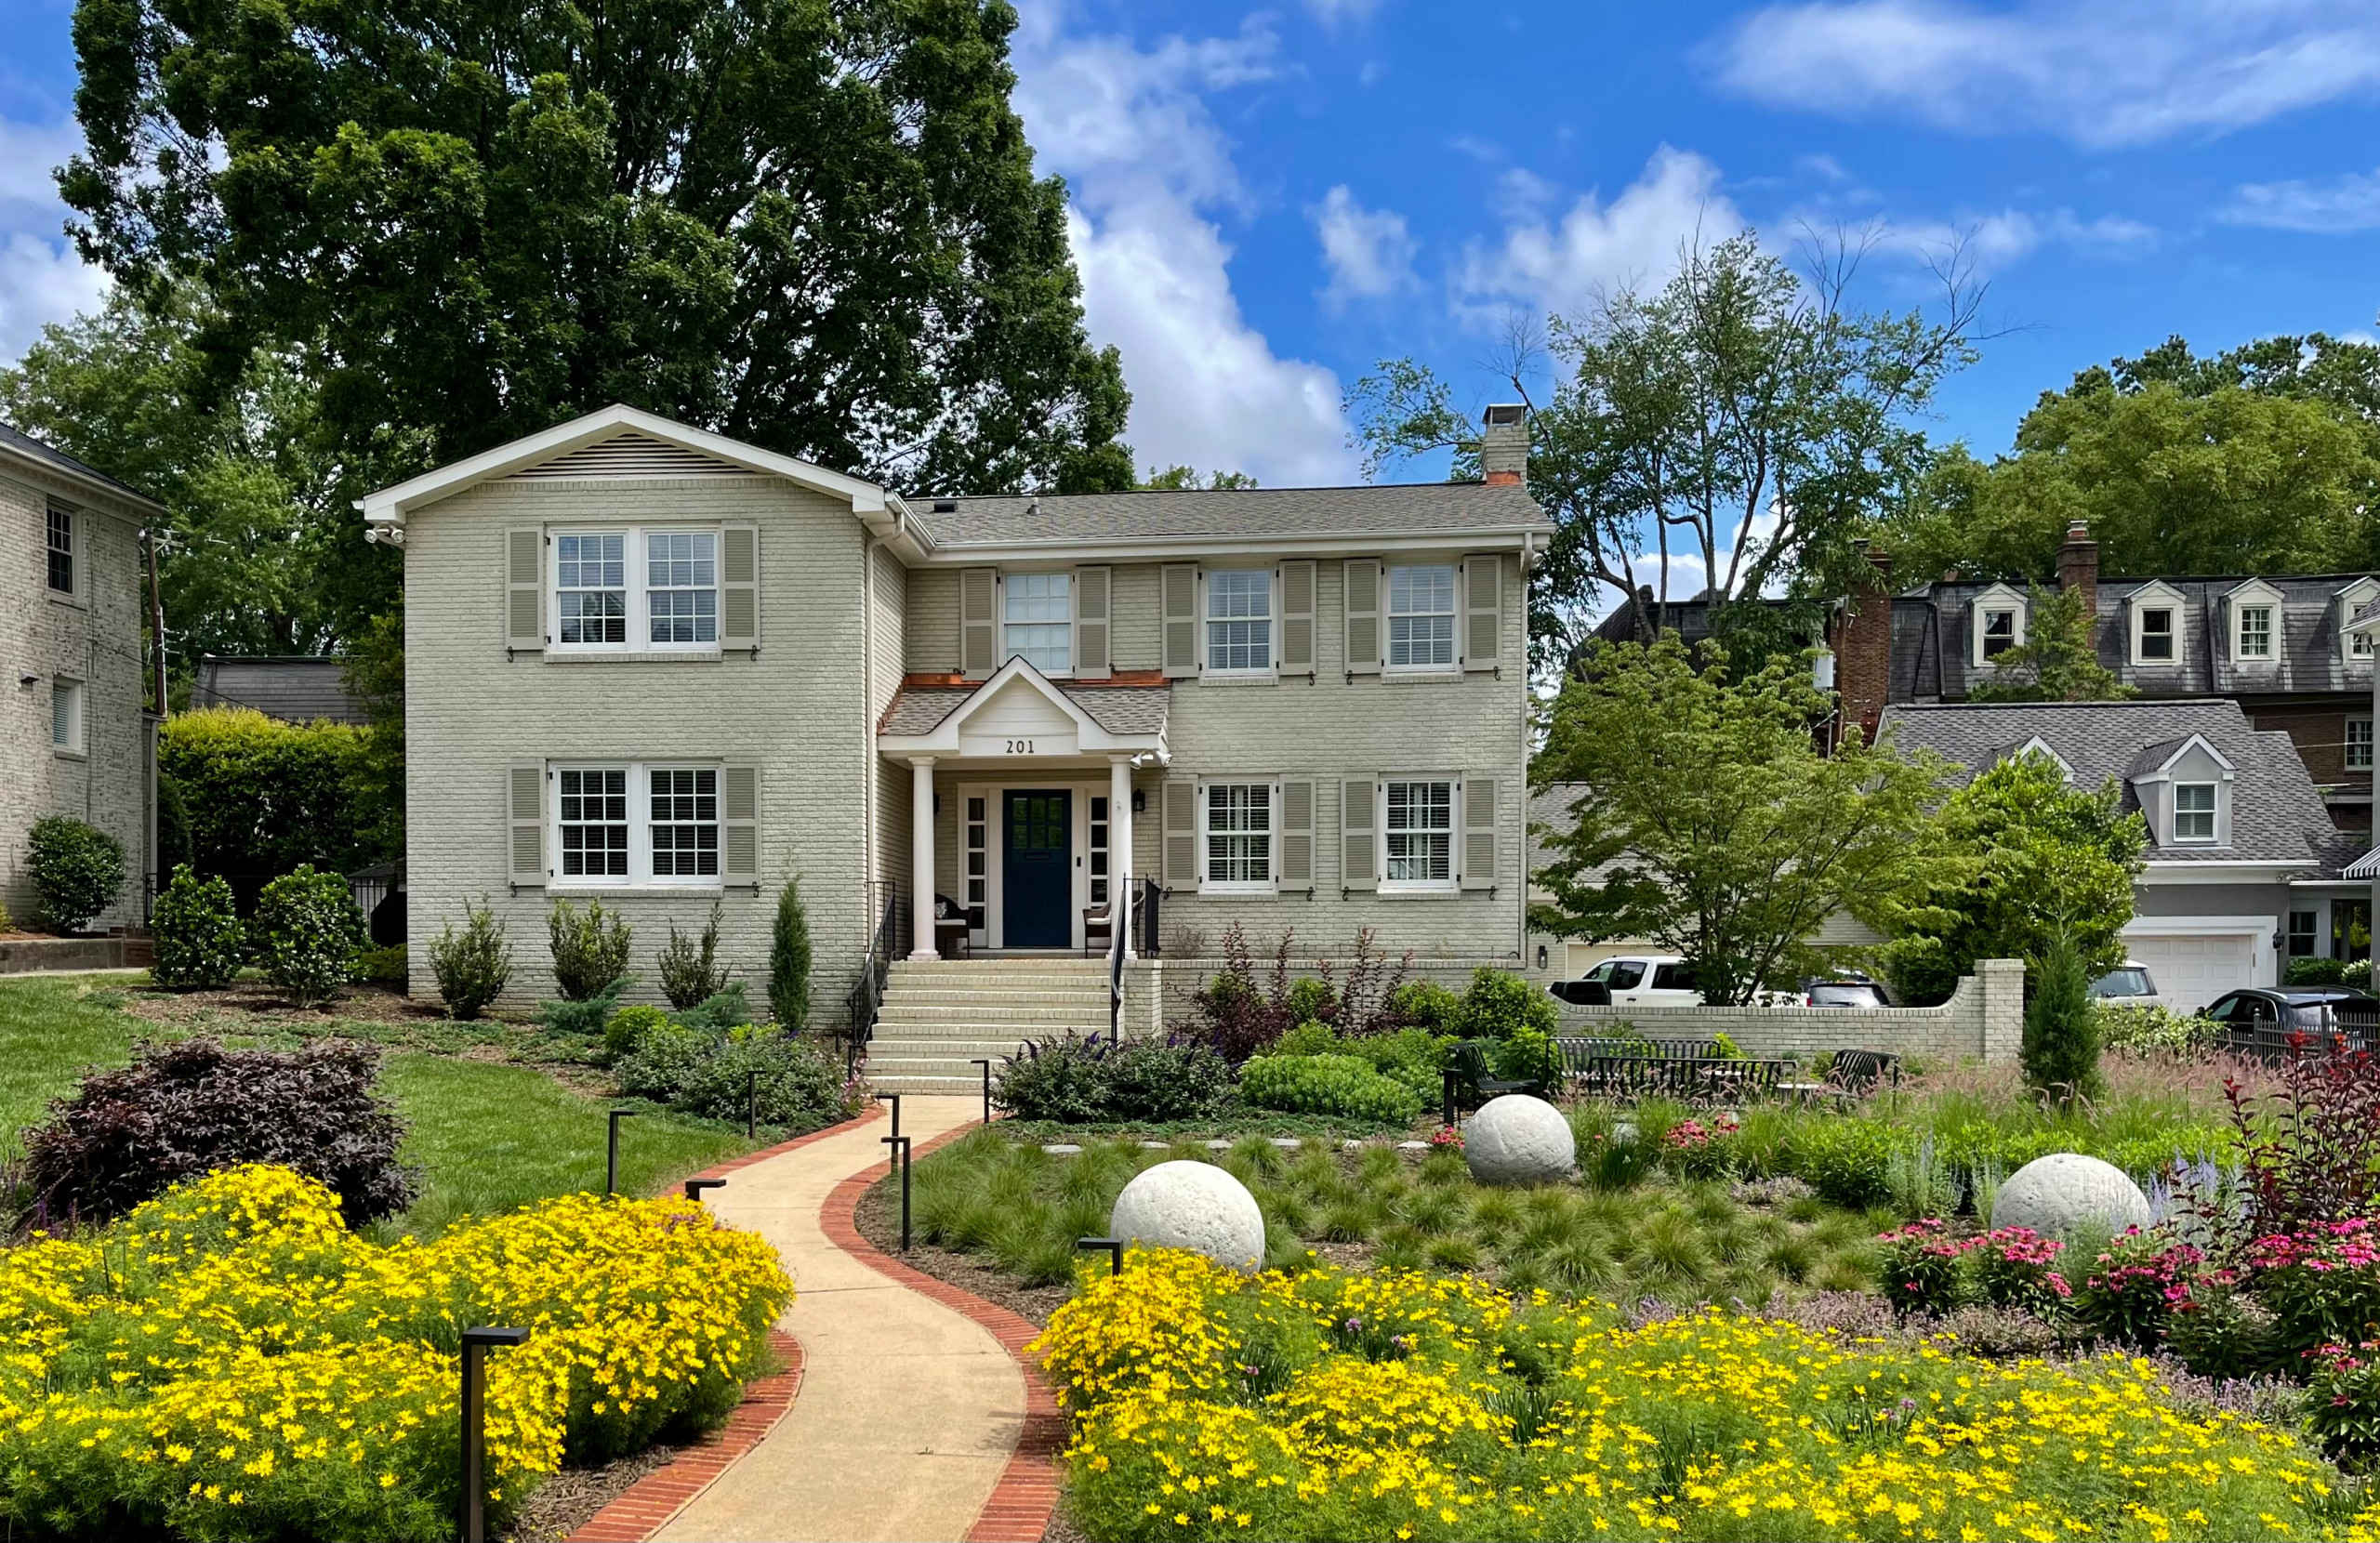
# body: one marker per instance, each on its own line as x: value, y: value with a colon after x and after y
x: 896, y: 1099
x: 900, y: 1145
x: 694, y: 1187
x: 753, y: 1105
x: 1115, y: 1246
x: 475, y: 1348
x: 612, y: 1150
x: 985, y: 1064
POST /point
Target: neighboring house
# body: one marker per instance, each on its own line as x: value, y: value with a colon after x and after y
x: 293, y: 688
x: 661, y: 666
x: 79, y: 739
x: 2244, y: 867
x: 2278, y: 646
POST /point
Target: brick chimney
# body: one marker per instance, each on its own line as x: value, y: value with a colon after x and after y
x: 1504, y: 444
x: 1863, y: 648
x: 2077, y: 568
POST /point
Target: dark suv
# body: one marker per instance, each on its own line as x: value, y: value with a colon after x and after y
x: 2266, y: 1016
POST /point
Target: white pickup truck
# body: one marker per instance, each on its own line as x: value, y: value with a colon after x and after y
x: 1636, y: 979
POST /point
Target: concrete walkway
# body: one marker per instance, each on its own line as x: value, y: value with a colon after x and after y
x: 908, y: 1412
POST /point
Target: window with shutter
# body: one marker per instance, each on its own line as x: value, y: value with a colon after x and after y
x: 1358, y: 855
x: 1296, y: 834
x: 1181, y: 812
x: 740, y: 823
x: 524, y: 583
x: 1092, y: 586
x: 1178, y: 605
x: 979, y: 621
x: 1297, y: 618
x: 1479, y: 833
x: 525, y: 794
x: 739, y: 594
x: 1362, y: 609
x: 1482, y: 612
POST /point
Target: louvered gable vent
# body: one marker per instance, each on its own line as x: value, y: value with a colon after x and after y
x: 631, y: 455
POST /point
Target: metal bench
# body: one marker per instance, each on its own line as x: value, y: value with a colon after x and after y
x: 1467, y: 1080
x: 1856, y: 1074
x: 1702, y: 1079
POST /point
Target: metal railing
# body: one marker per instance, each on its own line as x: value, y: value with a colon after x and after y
x: 866, y: 997
x: 1116, y: 938
x: 1145, y: 916
x: 1140, y: 925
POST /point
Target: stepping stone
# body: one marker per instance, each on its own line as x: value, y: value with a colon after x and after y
x: 1350, y: 1146
x: 1062, y: 1149
x: 1218, y: 1145
x: 1157, y: 1146
x: 1288, y: 1143
x: 1412, y: 1146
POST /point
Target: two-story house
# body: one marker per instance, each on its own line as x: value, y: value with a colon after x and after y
x: 658, y: 665
x: 80, y: 740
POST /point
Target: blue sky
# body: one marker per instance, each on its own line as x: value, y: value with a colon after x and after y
x: 1267, y: 201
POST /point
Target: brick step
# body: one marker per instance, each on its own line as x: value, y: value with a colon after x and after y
x: 1000, y: 997
x: 971, y: 1086
x: 964, y: 1048
x: 900, y: 1010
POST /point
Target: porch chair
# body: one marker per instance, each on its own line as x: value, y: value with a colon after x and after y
x: 1098, y: 921
x: 953, y: 931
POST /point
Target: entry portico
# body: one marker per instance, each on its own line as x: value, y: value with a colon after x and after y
x: 1045, y: 773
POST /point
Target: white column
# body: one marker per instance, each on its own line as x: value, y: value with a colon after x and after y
x: 1119, y: 847
x: 921, y: 857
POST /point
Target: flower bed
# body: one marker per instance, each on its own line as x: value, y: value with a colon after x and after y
x: 1329, y: 1406
x: 230, y: 1361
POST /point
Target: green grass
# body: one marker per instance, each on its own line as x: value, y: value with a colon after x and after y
x: 52, y: 1031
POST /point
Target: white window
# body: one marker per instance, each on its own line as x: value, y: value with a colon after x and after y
x: 66, y: 715
x: 1239, y: 834
x: 1999, y: 632
x: 1037, y: 613
x: 2193, y: 811
x: 636, y: 824
x: 2358, y: 645
x: 636, y: 590
x: 1239, y: 621
x: 2358, y: 742
x: 1419, y: 832
x: 61, y: 550
x: 1420, y: 617
x: 2157, y: 635
x: 2255, y: 632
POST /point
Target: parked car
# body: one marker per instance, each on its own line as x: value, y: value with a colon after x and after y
x: 2127, y: 985
x: 1641, y: 980
x: 2291, y: 1009
x: 1848, y: 990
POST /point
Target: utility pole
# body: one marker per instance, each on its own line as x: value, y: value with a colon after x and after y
x: 156, y: 621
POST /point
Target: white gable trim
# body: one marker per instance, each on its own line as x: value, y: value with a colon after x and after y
x: 2256, y: 591
x: 2353, y: 601
x: 2156, y: 595
x: 2164, y: 771
x: 1999, y: 596
x: 1077, y: 733
x: 2040, y: 746
x: 389, y: 508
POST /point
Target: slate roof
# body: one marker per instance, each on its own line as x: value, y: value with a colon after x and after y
x: 2276, y: 816
x: 294, y: 688
x: 1118, y: 709
x: 15, y: 439
x: 1162, y: 512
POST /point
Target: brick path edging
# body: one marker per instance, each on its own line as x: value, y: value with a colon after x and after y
x: 647, y: 1506
x: 1022, y: 1502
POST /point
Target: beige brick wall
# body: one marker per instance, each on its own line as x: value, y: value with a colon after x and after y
x: 95, y: 636
x: 1984, y: 1019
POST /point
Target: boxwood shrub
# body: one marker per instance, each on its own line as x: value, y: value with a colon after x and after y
x: 1328, y: 1085
x: 198, y: 934
x: 77, y: 868
x: 1085, y: 1080
x: 308, y: 934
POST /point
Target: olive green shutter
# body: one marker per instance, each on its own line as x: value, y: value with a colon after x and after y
x: 525, y: 797
x: 1479, y: 833
x: 1297, y: 618
x: 1092, y: 586
x: 1362, y: 608
x: 739, y: 586
x: 1483, y: 610
x: 1297, y: 833
x: 739, y: 824
x: 1177, y: 604
x: 1358, y: 852
x: 525, y: 585
x: 1181, y: 833
x: 978, y: 621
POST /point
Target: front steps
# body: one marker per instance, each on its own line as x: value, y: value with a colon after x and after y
x: 941, y: 1015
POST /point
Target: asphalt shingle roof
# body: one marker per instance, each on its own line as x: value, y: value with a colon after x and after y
x: 295, y: 689
x: 1163, y: 512
x: 2276, y: 816
x: 15, y: 439
x: 1118, y: 709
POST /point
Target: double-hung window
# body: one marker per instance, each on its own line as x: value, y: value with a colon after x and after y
x: 61, y: 550
x: 66, y: 715
x: 1239, y: 622
x: 2300, y: 934
x: 2255, y: 632
x: 2157, y: 635
x: 633, y: 824
x: 1418, y: 829
x: 2358, y: 742
x: 1999, y: 633
x: 1239, y: 835
x: 1037, y: 617
x: 630, y: 590
x: 1420, y: 617
x: 2194, y: 811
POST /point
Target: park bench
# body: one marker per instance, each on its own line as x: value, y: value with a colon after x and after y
x: 1698, y: 1080
x: 1856, y: 1074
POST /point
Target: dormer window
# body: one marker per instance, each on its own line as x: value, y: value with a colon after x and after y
x: 2157, y: 635
x: 1999, y: 633
x: 2193, y: 811
x: 2355, y: 644
x: 1998, y: 623
x: 2255, y: 614
x: 2255, y: 632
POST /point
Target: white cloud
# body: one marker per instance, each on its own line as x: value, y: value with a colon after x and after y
x: 1145, y: 163
x: 1370, y: 251
x: 1332, y: 12
x: 2325, y: 205
x: 42, y: 279
x: 2099, y: 72
x: 1997, y: 240
x: 1595, y: 247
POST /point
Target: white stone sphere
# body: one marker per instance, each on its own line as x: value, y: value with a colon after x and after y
x: 1519, y: 1140
x: 2056, y: 1195
x: 1193, y: 1205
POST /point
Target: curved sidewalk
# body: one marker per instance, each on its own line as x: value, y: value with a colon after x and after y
x: 908, y: 1411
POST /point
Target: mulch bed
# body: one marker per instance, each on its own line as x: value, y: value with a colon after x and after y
x: 257, y: 1001
x: 568, y: 1500
x: 878, y: 1217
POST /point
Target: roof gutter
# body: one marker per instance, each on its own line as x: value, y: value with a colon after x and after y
x: 1520, y: 538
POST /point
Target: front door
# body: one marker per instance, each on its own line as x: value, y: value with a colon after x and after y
x: 1037, y: 880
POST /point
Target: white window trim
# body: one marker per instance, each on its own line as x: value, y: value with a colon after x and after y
x: 76, y: 554
x: 1270, y: 670
x: 2213, y: 815
x: 1452, y: 883
x: 1001, y: 623
x: 1388, y: 617
x: 1998, y: 598
x: 2239, y: 653
x: 639, y: 618
x: 78, y: 695
x: 639, y: 783
x: 2348, y: 746
x: 2355, y: 648
x: 1270, y: 884
x: 2140, y: 607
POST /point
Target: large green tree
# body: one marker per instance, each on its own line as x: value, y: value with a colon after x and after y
x: 810, y: 225
x: 1707, y: 821
x: 1740, y: 423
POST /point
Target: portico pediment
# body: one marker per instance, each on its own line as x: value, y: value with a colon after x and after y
x: 1021, y: 712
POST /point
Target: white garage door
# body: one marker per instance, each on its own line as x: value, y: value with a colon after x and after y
x: 2192, y: 970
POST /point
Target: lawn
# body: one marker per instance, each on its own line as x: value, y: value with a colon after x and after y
x: 489, y: 1136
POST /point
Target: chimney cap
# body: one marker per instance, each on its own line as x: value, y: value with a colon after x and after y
x: 2078, y: 530
x: 1505, y: 415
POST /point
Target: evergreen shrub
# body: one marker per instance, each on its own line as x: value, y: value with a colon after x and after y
x: 198, y: 934
x: 77, y: 870
x: 471, y: 967
x: 590, y: 950
x: 308, y: 933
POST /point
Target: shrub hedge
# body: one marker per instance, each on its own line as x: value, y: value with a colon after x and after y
x: 1084, y: 1080
x: 1344, y: 1085
x: 259, y: 795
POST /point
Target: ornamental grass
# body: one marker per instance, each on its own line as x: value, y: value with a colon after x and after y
x: 230, y: 1361
x: 1326, y: 1406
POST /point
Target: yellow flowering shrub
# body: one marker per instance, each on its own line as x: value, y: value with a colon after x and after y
x: 230, y: 1361
x: 1325, y: 1406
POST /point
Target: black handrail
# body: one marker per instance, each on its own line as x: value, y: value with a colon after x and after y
x: 1117, y: 937
x: 1145, y: 916
x: 866, y: 997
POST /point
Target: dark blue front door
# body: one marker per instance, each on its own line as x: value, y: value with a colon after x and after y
x: 1037, y: 879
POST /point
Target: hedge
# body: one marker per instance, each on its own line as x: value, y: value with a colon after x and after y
x: 261, y: 797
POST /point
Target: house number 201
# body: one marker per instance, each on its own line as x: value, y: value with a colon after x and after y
x: 1020, y: 747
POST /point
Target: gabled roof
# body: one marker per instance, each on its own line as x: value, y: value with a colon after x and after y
x: 1455, y: 509
x: 1103, y: 719
x: 18, y: 444
x: 2155, y: 760
x: 2036, y: 746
